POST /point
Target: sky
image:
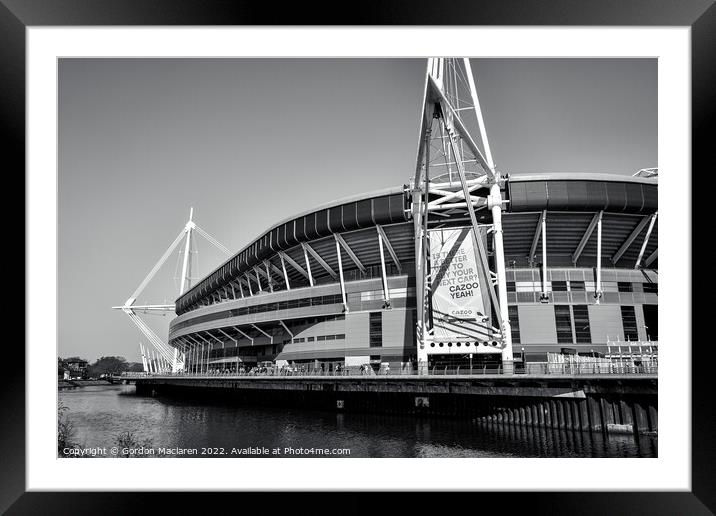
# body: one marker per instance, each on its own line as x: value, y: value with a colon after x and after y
x: 250, y: 142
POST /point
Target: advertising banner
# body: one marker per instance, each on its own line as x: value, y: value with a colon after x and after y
x: 460, y: 302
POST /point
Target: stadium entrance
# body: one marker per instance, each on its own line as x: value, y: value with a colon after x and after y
x: 465, y: 361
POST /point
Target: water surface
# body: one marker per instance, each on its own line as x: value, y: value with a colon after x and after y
x: 185, y: 427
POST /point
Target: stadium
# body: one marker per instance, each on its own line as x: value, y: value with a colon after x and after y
x: 335, y: 287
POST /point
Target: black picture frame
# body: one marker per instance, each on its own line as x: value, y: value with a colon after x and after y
x: 700, y: 15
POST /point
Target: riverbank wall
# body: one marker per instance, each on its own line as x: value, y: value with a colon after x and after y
x: 615, y: 404
x: 72, y: 384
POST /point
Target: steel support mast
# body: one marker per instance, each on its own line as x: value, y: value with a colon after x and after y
x: 166, y: 356
x: 450, y: 107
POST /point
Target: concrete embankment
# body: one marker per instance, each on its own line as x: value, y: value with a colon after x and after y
x: 614, y: 404
x: 71, y: 384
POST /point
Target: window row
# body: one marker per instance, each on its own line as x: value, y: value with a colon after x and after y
x: 266, y: 307
x: 573, y: 326
x: 338, y: 336
x: 377, y: 295
x: 582, y: 286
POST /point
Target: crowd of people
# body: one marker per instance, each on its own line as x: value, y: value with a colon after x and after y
x: 292, y: 369
x: 321, y: 369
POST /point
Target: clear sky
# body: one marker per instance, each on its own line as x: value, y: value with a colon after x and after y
x: 248, y: 142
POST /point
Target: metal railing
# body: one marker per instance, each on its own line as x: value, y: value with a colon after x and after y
x: 531, y: 369
x: 596, y: 368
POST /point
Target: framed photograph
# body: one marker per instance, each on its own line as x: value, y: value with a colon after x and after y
x: 409, y: 251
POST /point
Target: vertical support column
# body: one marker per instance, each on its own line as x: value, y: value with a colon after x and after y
x: 574, y: 409
x: 627, y: 413
x: 268, y: 275
x: 547, y: 414
x: 422, y: 352
x: 258, y: 278
x: 607, y: 414
x: 248, y: 282
x: 641, y: 419
x: 149, y: 360
x: 308, y: 265
x: 386, y: 292
x: 185, y: 270
x: 595, y: 414
x: 144, y: 358
x: 541, y: 411
x: 478, y: 113
x: 419, y: 207
x: 583, y: 415
x: 241, y: 288
x: 646, y: 241
x: 340, y: 274
x: 285, y: 274
x: 544, y: 297
x: 495, y: 203
x: 653, y: 416
x: 598, y: 286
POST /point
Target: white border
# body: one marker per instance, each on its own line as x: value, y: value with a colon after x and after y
x: 670, y: 471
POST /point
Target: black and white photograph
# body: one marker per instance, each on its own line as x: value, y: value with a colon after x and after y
x: 441, y: 257
x: 417, y: 253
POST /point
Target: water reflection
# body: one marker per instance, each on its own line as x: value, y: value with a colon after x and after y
x: 100, y: 413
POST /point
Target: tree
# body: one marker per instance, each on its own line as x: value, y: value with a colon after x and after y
x: 62, y: 362
x: 108, y: 365
x: 134, y: 367
x: 74, y: 365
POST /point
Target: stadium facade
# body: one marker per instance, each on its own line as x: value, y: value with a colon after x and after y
x: 337, y: 285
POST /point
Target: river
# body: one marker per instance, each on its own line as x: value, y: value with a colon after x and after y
x: 167, y: 426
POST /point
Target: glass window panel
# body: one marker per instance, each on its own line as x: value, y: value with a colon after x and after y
x: 559, y: 286
x: 563, y: 320
x: 609, y: 286
x: 375, y: 329
x: 577, y: 286
x: 624, y: 286
x: 513, y: 314
x: 650, y: 288
x: 629, y: 323
x: 525, y: 286
x: 581, y: 324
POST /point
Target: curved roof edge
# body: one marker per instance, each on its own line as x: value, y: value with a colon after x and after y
x: 330, y: 204
x: 581, y: 176
x: 516, y: 178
